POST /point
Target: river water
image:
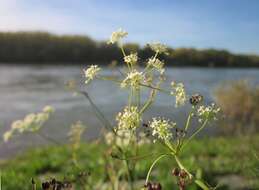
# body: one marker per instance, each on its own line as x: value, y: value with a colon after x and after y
x: 26, y: 88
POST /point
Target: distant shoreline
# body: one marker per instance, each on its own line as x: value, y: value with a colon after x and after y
x: 46, y: 48
x: 66, y: 64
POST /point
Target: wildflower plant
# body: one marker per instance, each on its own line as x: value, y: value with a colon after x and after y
x: 129, y: 121
x: 130, y: 131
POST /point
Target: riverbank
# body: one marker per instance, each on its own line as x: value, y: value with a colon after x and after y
x: 43, y: 48
x: 230, y: 162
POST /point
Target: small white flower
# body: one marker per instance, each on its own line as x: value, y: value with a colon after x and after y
x: 117, y: 36
x: 131, y: 59
x: 207, y: 112
x: 179, y: 92
x: 7, y: 135
x: 157, y: 64
x: 48, y: 109
x: 162, y: 128
x: 134, y: 79
x: 158, y: 47
x: 129, y: 119
x: 17, y: 125
x: 91, y: 73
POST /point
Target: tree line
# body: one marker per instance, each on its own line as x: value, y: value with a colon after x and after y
x: 43, y: 47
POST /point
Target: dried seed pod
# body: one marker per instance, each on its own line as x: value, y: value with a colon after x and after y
x: 196, y: 99
x: 145, y: 125
x: 153, y: 186
x: 183, y: 173
x: 180, y: 133
x: 45, y: 185
x: 175, y: 172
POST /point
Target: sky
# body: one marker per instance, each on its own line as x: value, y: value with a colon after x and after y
x: 222, y: 24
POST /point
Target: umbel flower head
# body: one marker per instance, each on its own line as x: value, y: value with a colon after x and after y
x: 157, y: 64
x: 131, y: 58
x: 31, y: 123
x: 117, y: 36
x: 91, y: 72
x: 158, y: 47
x: 208, y: 112
x: 128, y: 119
x: 133, y: 79
x: 162, y: 128
x: 179, y: 92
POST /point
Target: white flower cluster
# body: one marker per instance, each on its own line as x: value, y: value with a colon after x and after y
x: 75, y: 134
x: 131, y: 58
x: 91, y: 72
x: 208, y: 112
x: 158, y: 47
x: 117, y: 36
x: 162, y: 128
x: 157, y: 64
x: 30, y: 123
x: 179, y: 92
x: 133, y: 79
x: 129, y: 119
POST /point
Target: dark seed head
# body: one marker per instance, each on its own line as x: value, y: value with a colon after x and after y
x: 180, y: 133
x: 183, y: 174
x: 153, y: 186
x: 176, y: 172
x: 157, y: 186
x: 145, y: 125
x: 196, y: 99
x: 45, y: 185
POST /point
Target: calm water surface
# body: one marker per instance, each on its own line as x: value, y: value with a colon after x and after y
x: 25, y: 89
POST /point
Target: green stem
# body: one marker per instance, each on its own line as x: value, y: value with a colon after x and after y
x: 182, y: 166
x: 98, y: 113
x: 130, y: 178
x: 124, y: 54
x: 202, y: 184
x: 148, y: 102
x: 156, y: 88
x: 48, y: 138
x: 0, y: 180
x: 33, y: 184
x: 138, y: 98
x: 153, y: 164
x: 195, y: 133
x: 197, y: 181
x: 188, y: 120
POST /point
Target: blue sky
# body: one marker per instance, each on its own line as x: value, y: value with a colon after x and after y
x: 222, y: 24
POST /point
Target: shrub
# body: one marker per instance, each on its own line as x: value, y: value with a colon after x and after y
x: 239, y: 102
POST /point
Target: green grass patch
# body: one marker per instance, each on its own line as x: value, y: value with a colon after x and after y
x: 217, y: 160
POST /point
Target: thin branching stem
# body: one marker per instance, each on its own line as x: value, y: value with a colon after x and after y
x: 195, y: 133
x: 153, y: 164
x: 99, y: 114
x: 50, y: 139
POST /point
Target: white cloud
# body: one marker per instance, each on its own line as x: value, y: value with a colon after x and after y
x: 15, y: 16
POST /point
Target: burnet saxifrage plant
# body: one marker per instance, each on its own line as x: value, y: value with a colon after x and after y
x: 163, y: 131
x: 126, y: 137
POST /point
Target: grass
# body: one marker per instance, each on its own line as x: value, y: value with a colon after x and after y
x: 230, y: 162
